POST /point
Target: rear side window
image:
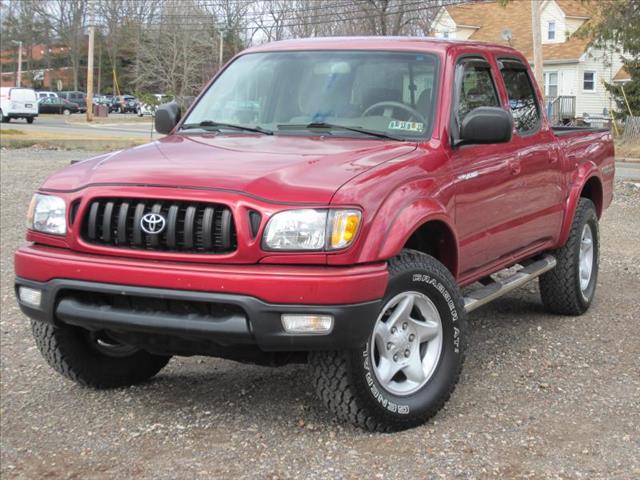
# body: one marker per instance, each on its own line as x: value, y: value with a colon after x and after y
x: 474, y: 88
x: 522, y: 98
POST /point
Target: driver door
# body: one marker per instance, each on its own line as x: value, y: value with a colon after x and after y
x: 486, y: 176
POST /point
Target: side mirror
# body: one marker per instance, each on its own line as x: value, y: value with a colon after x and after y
x: 486, y: 125
x: 167, y: 117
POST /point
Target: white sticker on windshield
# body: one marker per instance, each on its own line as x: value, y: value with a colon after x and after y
x: 408, y: 126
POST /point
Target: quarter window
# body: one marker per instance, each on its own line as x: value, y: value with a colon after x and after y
x: 589, y: 81
x: 522, y: 97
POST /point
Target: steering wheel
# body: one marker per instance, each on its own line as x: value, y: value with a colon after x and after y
x: 414, y: 113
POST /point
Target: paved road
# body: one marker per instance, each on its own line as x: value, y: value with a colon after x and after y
x: 628, y: 171
x: 126, y: 126
x: 541, y: 396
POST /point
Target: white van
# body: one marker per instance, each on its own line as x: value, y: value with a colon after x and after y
x: 18, y: 102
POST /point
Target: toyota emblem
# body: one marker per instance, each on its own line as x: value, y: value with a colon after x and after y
x: 152, y: 223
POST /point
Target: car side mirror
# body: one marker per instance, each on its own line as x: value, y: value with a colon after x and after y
x: 167, y: 117
x: 486, y: 125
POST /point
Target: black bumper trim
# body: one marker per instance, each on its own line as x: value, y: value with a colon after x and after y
x: 261, y: 325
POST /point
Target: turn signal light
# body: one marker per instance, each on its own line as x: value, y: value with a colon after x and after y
x: 307, y: 324
x: 344, y: 226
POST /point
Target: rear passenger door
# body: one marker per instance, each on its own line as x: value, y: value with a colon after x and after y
x: 486, y: 176
x: 539, y: 196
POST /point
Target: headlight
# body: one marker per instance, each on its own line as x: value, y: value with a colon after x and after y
x: 311, y: 229
x: 47, y: 214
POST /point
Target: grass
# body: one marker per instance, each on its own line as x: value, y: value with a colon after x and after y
x: 113, y: 118
x: 12, y: 139
x: 628, y: 150
x: 11, y: 131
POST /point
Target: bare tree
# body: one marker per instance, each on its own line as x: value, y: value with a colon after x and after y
x: 67, y: 22
x: 173, y: 56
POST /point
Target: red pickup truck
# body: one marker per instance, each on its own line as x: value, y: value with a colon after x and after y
x: 343, y: 202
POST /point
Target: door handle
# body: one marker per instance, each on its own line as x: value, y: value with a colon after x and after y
x: 514, y: 167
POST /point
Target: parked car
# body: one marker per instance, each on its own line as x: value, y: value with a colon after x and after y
x: 57, y: 105
x: 79, y: 98
x: 321, y: 202
x: 16, y: 102
x: 43, y: 94
x: 127, y: 104
x: 146, y: 109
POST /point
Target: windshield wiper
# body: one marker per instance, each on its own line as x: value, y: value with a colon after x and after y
x: 329, y: 126
x: 217, y: 125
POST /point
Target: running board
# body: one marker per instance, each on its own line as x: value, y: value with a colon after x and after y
x: 497, y: 288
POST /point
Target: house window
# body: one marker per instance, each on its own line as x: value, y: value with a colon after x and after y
x: 551, y: 30
x: 445, y: 34
x: 589, y: 82
x: 550, y: 85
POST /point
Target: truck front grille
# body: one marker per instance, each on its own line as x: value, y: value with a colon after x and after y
x: 189, y: 227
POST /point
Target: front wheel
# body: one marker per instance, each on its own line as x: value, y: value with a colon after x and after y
x: 412, y: 361
x: 66, y: 111
x: 94, y: 359
x: 569, y: 288
x: 4, y: 118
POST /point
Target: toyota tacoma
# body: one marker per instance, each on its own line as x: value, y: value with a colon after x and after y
x: 344, y: 202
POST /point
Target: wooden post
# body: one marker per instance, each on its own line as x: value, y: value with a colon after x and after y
x: 92, y: 32
x: 90, y: 75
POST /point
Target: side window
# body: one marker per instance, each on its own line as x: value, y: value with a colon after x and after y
x: 474, y: 88
x: 522, y: 98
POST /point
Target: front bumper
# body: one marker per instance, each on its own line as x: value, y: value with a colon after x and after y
x: 257, y: 296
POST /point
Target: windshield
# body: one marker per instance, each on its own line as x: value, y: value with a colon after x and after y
x: 303, y: 92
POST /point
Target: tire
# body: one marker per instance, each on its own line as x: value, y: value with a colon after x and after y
x: 347, y: 382
x: 66, y: 111
x: 4, y: 118
x: 29, y: 120
x: 71, y: 351
x: 562, y: 289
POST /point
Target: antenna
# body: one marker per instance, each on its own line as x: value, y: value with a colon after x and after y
x: 506, y: 35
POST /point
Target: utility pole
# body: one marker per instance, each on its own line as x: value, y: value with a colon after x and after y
x: 537, y: 43
x: 90, y: 66
x: 221, y: 45
x: 19, y: 76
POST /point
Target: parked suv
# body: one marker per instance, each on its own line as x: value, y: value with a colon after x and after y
x: 127, y: 104
x: 79, y: 98
x: 322, y: 201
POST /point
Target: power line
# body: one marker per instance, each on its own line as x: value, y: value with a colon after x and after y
x: 401, y: 10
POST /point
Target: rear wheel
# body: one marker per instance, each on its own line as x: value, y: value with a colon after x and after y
x: 569, y: 288
x: 29, y: 120
x: 412, y: 361
x: 94, y: 359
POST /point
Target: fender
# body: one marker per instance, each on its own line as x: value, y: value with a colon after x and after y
x: 579, y: 179
x: 409, y: 219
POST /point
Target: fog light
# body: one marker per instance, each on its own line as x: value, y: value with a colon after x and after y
x: 30, y: 296
x: 309, y: 324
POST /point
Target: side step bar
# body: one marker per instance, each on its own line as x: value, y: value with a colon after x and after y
x: 487, y: 293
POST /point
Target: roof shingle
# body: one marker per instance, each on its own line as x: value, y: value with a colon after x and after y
x: 493, y: 18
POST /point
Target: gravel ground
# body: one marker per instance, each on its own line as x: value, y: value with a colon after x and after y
x: 541, y: 396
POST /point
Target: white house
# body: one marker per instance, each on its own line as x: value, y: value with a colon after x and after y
x: 574, y: 73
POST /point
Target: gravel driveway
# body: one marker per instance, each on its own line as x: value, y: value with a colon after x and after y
x: 541, y: 396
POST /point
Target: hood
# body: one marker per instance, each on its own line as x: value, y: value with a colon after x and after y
x: 280, y: 168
